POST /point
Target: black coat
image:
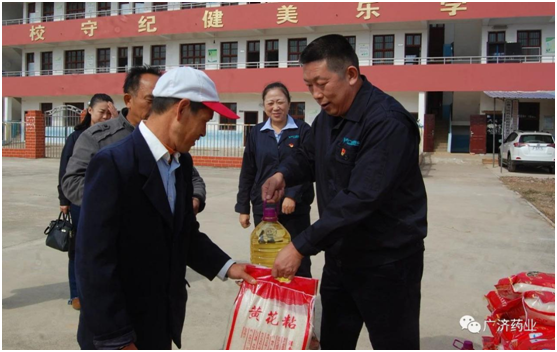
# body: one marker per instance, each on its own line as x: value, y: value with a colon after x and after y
x: 132, y: 252
x: 262, y: 158
x: 370, y: 192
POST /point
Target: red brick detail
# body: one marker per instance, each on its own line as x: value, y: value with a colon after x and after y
x: 217, y: 161
x: 34, y: 138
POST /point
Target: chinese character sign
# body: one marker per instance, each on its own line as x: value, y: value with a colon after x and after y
x: 213, y: 19
x: 146, y: 24
x: 89, y: 27
x: 36, y: 33
x: 287, y: 14
x: 366, y: 9
x: 453, y: 7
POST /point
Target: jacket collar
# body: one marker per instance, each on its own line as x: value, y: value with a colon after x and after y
x: 153, y: 187
x: 123, y: 119
x: 357, y: 109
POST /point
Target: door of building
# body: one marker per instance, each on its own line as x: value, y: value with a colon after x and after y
x: 429, y: 132
x: 478, y: 134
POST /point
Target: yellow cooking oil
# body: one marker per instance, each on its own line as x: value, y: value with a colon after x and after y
x: 268, y: 238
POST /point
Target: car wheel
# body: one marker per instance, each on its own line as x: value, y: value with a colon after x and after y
x: 510, y: 164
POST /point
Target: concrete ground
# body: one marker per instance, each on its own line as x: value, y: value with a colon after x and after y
x: 479, y: 232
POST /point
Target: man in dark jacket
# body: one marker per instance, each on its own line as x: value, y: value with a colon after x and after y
x: 138, y: 231
x: 363, y: 155
x: 138, y: 96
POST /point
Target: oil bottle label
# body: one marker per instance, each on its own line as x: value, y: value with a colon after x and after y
x: 268, y: 235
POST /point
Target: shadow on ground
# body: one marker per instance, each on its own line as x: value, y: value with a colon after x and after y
x: 24, y: 297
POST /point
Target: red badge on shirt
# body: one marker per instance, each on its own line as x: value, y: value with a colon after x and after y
x: 342, y: 152
x: 291, y: 145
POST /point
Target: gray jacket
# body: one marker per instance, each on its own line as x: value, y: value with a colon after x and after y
x: 90, y: 142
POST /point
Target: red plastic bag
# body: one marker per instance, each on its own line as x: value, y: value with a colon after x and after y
x: 272, y: 315
x: 513, y: 287
x: 502, y: 308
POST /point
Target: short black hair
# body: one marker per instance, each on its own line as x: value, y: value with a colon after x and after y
x: 276, y: 85
x: 131, y: 84
x: 163, y: 104
x: 335, y: 49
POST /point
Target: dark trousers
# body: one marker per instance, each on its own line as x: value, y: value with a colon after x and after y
x: 74, y: 292
x: 295, y: 224
x: 386, y: 298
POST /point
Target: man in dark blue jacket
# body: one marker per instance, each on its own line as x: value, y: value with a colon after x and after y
x: 363, y: 155
x: 138, y: 230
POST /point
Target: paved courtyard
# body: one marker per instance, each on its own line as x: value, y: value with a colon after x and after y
x: 479, y: 232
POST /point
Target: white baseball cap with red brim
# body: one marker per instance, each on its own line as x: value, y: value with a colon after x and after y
x: 192, y: 84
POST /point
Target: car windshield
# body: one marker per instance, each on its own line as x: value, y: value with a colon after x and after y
x: 536, y: 138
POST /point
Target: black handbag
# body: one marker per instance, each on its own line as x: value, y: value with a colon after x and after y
x: 59, y: 231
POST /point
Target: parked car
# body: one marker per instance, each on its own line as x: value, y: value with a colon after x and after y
x: 528, y: 148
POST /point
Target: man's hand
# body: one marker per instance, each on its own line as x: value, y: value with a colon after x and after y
x: 112, y: 110
x: 196, y: 204
x: 244, y: 220
x: 238, y: 272
x: 288, y: 205
x: 287, y: 263
x: 272, y: 190
x: 65, y: 209
x: 131, y: 346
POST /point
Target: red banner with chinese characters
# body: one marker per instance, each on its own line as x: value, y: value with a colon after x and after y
x: 260, y: 17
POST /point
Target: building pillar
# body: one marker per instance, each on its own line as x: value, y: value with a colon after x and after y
x: 7, y: 109
x: 34, y: 135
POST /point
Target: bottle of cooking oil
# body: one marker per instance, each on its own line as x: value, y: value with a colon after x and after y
x: 268, y: 238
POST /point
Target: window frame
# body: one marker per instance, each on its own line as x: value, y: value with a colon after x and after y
x: 159, y: 6
x: 134, y: 56
x: 256, y: 43
x: 268, y: 63
x: 228, y: 64
x: 48, y: 16
x: 30, y: 59
x: 159, y: 57
x: 299, y: 47
x: 384, y: 61
x: 104, y: 11
x: 192, y: 48
x: 74, y: 13
x: 103, y: 60
x: 416, y: 60
x: 294, y: 106
x: 74, y: 70
x: 46, y: 70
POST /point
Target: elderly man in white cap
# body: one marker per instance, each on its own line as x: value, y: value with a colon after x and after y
x: 137, y: 232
